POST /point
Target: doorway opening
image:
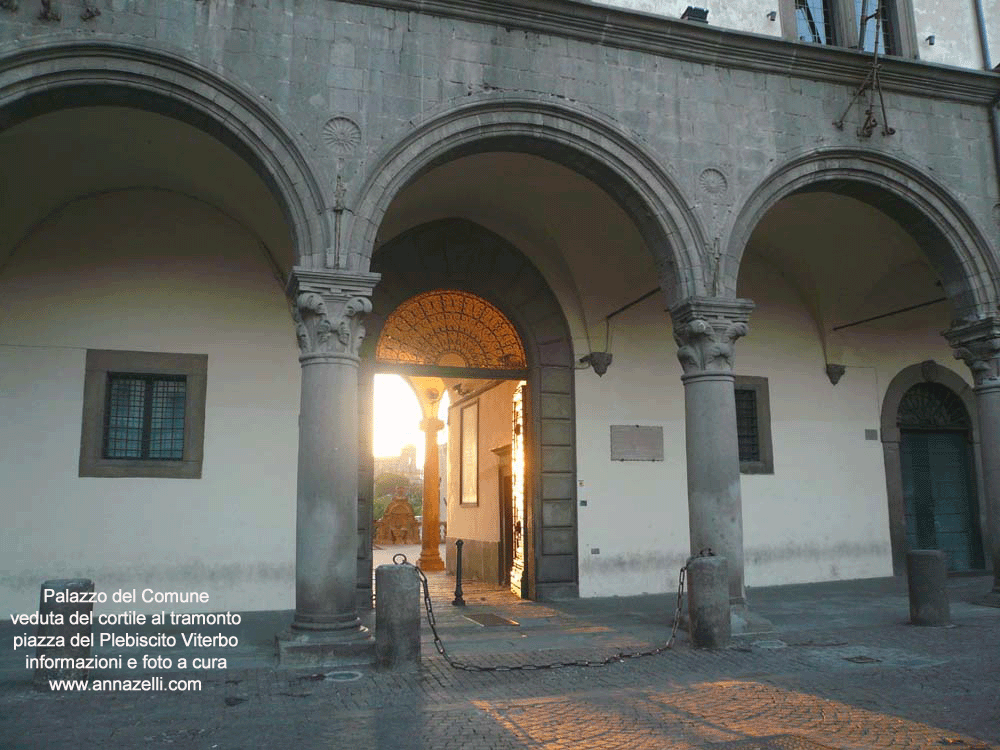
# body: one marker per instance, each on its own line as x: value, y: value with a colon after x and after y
x: 465, y: 362
x: 939, y: 489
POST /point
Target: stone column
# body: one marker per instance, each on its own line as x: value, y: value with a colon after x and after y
x: 328, y: 308
x: 977, y: 342
x: 430, y: 555
x: 705, y: 330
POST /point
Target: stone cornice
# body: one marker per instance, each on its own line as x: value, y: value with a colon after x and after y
x: 700, y: 43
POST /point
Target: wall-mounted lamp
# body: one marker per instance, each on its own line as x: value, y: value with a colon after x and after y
x: 930, y: 40
x: 772, y: 15
x: 598, y: 360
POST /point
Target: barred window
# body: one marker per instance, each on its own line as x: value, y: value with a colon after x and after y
x: 851, y: 24
x: 747, y: 429
x: 753, y: 424
x: 867, y: 26
x: 145, y: 416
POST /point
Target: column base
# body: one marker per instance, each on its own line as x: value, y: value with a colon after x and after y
x: 745, y: 622
x: 341, y: 648
x: 741, y: 621
x: 430, y: 561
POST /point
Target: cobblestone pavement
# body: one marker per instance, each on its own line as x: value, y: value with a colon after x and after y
x: 842, y: 670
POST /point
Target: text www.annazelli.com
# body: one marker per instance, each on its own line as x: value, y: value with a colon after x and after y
x: 151, y: 684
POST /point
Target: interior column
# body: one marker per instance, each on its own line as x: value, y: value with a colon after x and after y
x: 430, y: 554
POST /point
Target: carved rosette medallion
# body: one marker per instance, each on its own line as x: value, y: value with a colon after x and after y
x: 329, y: 313
x: 977, y: 343
x: 713, y: 181
x: 706, y: 330
x: 342, y: 135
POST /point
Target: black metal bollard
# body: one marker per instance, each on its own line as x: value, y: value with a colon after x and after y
x: 459, y: 601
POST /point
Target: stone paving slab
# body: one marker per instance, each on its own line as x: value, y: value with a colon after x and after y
x: 912, y: 688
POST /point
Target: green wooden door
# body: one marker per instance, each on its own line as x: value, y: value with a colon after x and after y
x: 941, y: 508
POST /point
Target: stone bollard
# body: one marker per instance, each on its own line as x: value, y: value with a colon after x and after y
x: 927, y: 578
x: 397, y: 617
x: 76, y: 630
x: 708, y: 602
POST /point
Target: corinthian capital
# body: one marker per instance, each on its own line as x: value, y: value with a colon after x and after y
x: 705, y: 329
x: 977, y: 343
x: 329, y: 310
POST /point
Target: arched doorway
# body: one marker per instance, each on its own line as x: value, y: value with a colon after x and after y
x: 939, y: 492
x: 930, y: 444
x: 501, y: 323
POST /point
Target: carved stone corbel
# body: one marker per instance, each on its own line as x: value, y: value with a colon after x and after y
x: 977, y: 343
x: 705, y: 329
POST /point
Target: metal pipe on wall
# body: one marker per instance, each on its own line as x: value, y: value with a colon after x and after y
x: 984, y: 44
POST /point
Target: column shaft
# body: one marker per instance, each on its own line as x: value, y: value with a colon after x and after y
x: 713, y: 472
x: 327, y: 520
x: 430, y: 555
x: 988, y: 408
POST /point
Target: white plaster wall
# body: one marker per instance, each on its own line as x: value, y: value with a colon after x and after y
x: 955, y: 30
x: 154, y: 271
x: 636, y: 513
x: 482, y: 521
x: 741, y: 15
x: 822, y: 515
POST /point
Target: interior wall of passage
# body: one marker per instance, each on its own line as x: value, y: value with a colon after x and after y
x: 479, y: 525
x: 148, y: 270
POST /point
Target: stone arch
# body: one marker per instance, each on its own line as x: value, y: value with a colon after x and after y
x: 461, y: 255
x: 48, y: 76
x: 924, y: 372
x: 947, y: 235
x: 583, y: 141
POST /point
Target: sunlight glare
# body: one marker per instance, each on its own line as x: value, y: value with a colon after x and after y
x: 397, y: 418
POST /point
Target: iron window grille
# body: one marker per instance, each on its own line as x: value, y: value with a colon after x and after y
x: 747, y: 427
x: 814, y: 21
x: 144, y: 416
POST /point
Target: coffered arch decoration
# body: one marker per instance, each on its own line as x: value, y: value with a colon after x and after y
x: 449, y: 327
x: 926, y: 396
x: 457, y: 265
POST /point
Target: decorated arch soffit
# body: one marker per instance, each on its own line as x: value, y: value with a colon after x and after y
x: 450, y: 328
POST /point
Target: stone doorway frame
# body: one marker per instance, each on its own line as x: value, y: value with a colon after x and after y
x: 459, y: 254
x: 924, y: 372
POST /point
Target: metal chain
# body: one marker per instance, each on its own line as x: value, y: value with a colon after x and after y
x: 619, y: 657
